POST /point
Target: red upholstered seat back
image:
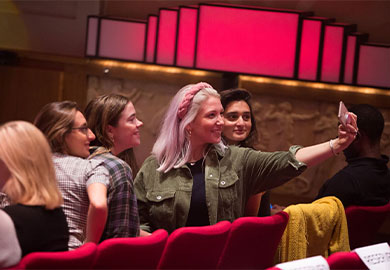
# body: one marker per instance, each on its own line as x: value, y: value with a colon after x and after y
x: 364, y: 222
x: 195, y: 247
x: 252, y: 242
x: 131, y: 252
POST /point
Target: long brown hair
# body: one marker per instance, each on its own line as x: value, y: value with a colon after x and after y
x: 56, y: 120
x: 103, y: 111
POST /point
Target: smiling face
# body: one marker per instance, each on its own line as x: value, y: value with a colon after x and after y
x: 77, y: 141
x: 126, y: 132
x: 207, y: 125
x: 238, y: 123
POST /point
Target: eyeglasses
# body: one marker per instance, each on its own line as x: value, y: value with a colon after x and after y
x: 83, y: 129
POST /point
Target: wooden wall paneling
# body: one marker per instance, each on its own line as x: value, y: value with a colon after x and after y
x: 25, y: 90
x: 74, y: 85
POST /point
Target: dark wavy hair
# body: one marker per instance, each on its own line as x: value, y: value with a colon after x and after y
x: 238, y: 94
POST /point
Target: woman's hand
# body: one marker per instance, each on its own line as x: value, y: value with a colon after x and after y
x: 315, y: 154
x: 347, y: 134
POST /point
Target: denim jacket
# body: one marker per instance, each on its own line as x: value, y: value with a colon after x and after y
x: 230, y: 179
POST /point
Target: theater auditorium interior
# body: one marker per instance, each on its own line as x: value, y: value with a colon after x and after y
x: 297, y: 58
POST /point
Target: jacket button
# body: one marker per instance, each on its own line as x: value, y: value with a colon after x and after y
x: 223, y: 183
x: 158, y: 197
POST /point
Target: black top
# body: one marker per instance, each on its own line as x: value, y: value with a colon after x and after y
x: 39, y: 229
x: 198, y: 214
x: 265, y: 205
x: 364, y: 182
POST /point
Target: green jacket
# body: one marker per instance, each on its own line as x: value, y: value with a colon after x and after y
x: 230, y: 179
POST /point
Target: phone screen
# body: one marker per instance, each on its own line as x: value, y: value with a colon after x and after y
x: 343, y: 114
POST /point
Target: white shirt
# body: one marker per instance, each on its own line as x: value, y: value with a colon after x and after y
x: 10, y: 251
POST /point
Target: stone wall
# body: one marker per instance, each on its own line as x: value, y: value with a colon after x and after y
x: 281, y: 122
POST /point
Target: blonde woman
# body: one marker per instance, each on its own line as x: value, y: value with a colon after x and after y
x: 27, y: 177
x: 83, y: 183
x: 193, y: 179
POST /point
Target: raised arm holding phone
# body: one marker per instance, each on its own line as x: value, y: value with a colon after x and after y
x: 193, y: 179
x: 347, y: 132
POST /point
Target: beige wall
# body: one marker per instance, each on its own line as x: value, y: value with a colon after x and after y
x: 287, y: 112
x: 283, y: 119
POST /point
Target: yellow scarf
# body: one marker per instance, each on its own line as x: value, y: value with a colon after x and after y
x: 318, y: 228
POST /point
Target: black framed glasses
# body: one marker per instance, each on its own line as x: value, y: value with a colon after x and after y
x: 82, y: 129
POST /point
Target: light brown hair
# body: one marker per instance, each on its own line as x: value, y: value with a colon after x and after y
x: 103, y: 111
x: 56, y: 120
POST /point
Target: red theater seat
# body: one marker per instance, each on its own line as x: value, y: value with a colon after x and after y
x: 195, y: 247
x: 81, y: 258
x: 364, y: 223
x: 252, y: 242
x: 131, y: 252
x: 345, y: 260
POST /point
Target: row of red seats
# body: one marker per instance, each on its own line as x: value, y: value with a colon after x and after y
x: 248, y: 242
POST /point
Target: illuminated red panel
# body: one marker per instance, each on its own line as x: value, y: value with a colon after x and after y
x: 122, y: 39
x: 151, y: 39
x: 310, y: 45
x: 247, y: 40
x: 166, y: 37
x: 350, y: 59
x: 92, y: 36
x: 186, y: 38
x: 332, y: 53
x: 374, y: 65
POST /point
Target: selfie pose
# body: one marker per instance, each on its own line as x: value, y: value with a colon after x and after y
x: 193, y: 179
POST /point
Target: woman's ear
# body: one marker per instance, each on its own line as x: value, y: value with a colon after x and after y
x: 188, y: 129
x: 110, y: 132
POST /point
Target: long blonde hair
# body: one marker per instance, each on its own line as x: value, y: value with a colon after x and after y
x: 27, y: 155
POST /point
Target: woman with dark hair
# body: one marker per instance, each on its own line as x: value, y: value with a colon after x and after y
x: 240, y: 123
x: 83, y: 183
x: 113, y: 119
x: 193, y: 179
x: 240, y: 129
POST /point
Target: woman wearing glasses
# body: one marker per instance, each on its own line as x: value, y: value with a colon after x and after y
x: 83, y: 182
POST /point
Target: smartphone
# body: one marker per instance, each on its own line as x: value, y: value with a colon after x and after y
x: 343, y: 114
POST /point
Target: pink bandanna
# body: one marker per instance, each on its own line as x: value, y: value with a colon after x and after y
x: 185, y: 103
